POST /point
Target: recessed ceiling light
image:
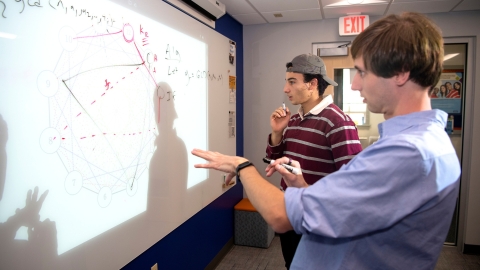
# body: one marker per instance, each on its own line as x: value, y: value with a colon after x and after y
x: 339, y: 3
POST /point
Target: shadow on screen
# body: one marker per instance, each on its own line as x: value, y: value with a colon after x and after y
x: 25, y: 241
x: 169, y: 164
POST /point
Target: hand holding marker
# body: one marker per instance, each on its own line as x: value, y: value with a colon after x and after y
x: 288, y: 167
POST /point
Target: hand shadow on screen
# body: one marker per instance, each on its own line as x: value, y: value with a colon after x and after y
x: 38, y: 248
x: 25, y: 241
x: 169, y: 164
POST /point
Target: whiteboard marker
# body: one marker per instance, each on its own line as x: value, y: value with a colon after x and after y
x: 288, y: 167
x: 284, y: 108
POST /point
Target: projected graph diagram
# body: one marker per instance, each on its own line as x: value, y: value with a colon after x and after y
x: 101, y: 114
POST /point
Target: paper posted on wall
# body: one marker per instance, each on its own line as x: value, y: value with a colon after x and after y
x: 231, y: 55
x: 231, y: 124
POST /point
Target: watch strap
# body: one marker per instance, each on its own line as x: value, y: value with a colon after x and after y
x: 242, y: 166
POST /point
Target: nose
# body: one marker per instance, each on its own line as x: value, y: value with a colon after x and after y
x: 356, y: 82
x: 285, y: 88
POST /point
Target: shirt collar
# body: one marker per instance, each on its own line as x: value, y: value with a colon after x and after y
x: 397, y: 124
x: 318, y: 108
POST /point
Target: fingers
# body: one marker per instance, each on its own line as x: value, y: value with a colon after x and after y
x: 201, y: 154
x: 42, y: 198
x: 295, y: 164
x: 35, y: 194
x: 288, y: 161
x: 229, y: 178
x: 284, y: 165
x: 270, y: 170
x: 217, y: 161
x: 282, y: 170
x: 29, y: 197
x: 292, y: 176
x: 279, y: 113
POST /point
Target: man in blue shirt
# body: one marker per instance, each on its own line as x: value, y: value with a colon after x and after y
x: 390, y: 207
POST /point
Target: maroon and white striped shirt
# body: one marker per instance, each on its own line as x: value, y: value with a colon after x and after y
x: 321, y: 141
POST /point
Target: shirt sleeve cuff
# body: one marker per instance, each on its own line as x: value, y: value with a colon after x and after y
x: 270, y: 142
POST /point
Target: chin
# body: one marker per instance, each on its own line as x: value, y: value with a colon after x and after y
x: 372, y: 110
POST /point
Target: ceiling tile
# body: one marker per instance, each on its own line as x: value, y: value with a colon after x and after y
x: 422, y: 6
x: 283, y: 5
x: 293, y: 15
x: 468, y: 5
x: 247, y: 19
x: 235, y: 7
x: 261, y: 11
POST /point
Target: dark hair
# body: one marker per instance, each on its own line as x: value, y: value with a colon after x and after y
x: 443, y: 94
x: 400, y: 43
x: 321, y: 85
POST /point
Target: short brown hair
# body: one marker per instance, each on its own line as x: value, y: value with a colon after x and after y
x: 400, y: 43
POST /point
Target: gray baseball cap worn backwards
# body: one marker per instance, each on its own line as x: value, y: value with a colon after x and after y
x: 310, y: 64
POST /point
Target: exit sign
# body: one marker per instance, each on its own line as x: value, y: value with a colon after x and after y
x: 352, y: 25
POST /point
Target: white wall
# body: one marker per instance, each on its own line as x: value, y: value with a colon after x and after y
x: 269, y: 47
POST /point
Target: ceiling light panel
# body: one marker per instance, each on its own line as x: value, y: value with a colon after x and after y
x: 371, y: 10
x: 339, y: 3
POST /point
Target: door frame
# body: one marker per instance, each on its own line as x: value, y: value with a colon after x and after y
x: 467, y: 137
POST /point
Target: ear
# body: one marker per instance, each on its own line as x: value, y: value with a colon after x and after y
x: 314, y: 84
x: 401, y: 78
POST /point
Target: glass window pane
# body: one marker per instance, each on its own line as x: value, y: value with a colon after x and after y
x: 358, y: 118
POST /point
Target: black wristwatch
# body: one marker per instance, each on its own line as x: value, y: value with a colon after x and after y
x: 242, y: 166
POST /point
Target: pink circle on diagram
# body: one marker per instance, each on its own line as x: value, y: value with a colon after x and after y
x: 128, y: 32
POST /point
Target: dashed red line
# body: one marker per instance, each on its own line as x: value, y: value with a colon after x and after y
x: 114, y: 134
x: 103, y: 94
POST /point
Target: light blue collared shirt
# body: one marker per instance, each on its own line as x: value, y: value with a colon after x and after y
x: 389, y: 208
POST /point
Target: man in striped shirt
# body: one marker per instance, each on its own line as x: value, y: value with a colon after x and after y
x: 321, y: 137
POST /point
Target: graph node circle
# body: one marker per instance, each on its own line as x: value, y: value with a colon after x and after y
x: 128, y: 33
x: 104, y: 197
x: 50, y: 140
x: 47, y: 83
x: 73, y: 182
x: 68, y: 38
